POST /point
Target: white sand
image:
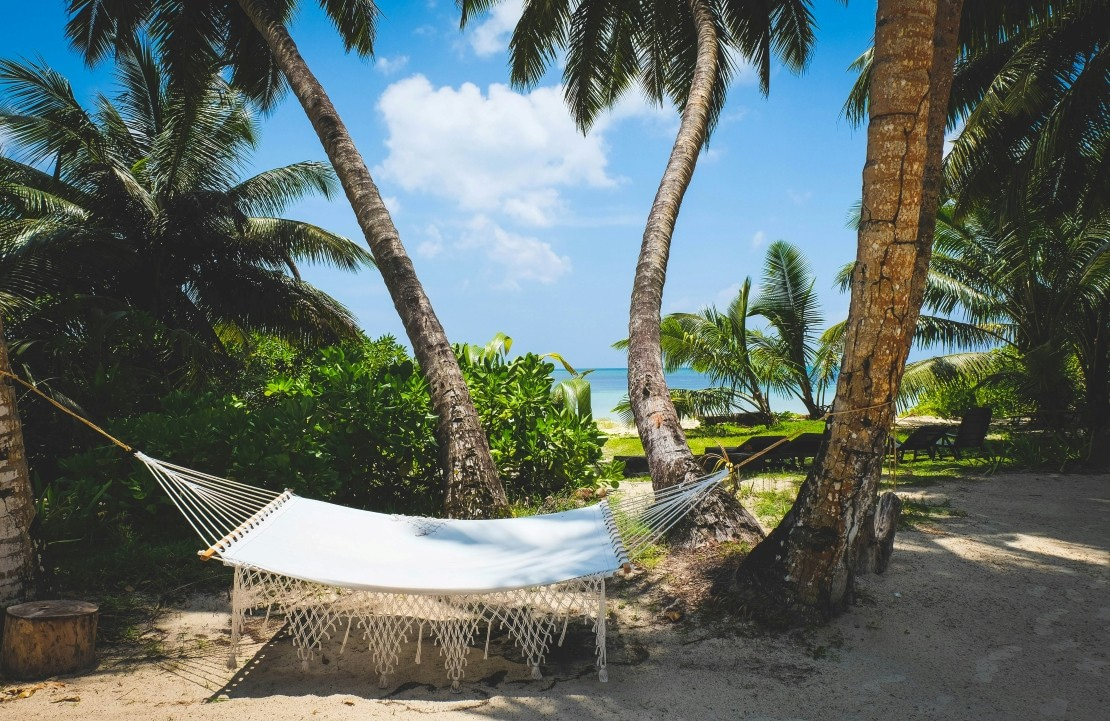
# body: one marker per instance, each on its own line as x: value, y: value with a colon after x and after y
x: 1003, y: 614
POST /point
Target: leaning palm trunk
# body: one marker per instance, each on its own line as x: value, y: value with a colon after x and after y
x: 473, y: 489
x: 670, y: 460
x: 16, y: 508
x: 803, y: 571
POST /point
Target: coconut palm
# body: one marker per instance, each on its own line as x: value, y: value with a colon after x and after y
x: 1029, y: 102
x: 1033, y: 105
x: 802, y: 572
x: 719, y: 345
x: 250, y: 40
x: 677, y: 51
x: 142, y: 212
x: 17, y: 511
x: 1038, y: 284
x: 788, y: 301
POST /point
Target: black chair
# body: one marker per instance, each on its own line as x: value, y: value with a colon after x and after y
x: 923, y: 438
x: 747, y: 449
x: 971, y: 433
x: 804, y: 446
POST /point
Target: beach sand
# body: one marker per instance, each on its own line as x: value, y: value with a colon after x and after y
x: 1003, y: 613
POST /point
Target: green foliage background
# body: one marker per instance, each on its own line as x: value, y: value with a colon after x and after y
x: 351, y: 424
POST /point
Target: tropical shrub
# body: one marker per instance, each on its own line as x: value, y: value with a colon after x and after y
x: 541, y: 444
x: 353, y: 425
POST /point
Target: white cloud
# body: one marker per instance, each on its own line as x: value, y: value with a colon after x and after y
x: 491, y: 35
x: 519, y: 259
x: 799, y: 198
x: 725, y: 297
x: 432, y: 246
x: 759, y: 239
x: 499, y: 152
x: 712, y: 155
x: 391, y: 66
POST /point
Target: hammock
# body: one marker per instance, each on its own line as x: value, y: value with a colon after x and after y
x: 391, y: 578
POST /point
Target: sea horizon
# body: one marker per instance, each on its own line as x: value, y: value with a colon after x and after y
x: 608, y: 386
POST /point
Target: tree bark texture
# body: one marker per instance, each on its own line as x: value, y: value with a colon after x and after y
x: 16, y: 506
x: 670, y: 460
x: 802, y: 573
x: 473, y: 488
x: 877, y: 535
x: 47, y: 638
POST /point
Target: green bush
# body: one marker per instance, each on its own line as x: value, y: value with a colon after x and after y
x: 352, y: 425
x: 540, y: 445
x: 999, y: 388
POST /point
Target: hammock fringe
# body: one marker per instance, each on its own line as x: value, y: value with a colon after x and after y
x: 228, y: 516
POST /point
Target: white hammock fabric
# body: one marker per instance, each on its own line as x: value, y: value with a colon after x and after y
x: 393, y: 578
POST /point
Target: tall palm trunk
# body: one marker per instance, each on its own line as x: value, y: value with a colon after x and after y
x: 473, y: 488
x: 16, y: 508
x: 803, y: 571
x: 670, y: 460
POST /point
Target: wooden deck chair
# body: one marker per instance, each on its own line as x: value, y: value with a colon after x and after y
x: 923, y: 438
x: 971, y: 433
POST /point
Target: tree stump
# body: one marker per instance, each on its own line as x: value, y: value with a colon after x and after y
x: 877, y: 535
x: 47, y: 638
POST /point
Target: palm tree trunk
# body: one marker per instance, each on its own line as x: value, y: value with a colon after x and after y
x: 670, y: 460
x: 473, y: 488
x: 16, y: 507
x: 803, y: 571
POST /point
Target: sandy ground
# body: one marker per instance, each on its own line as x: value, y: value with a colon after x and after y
x: 1002, y: 613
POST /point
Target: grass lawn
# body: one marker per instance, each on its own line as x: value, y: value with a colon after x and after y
x: 724, y: 434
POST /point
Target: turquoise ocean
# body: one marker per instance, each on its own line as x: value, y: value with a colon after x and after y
x: 609, y: 385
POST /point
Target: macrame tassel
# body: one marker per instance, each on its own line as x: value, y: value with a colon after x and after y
x: 536, y: 674
x: 343, y: 646
x: 602, y: 671
x: 419, y: 638
x: 563, y: 635
x: 382, y: 681
x: 489, y: 627
x: 236, y: 618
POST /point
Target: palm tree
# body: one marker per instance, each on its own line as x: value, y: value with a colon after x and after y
x: 142, y: 213
x: 718, y: 344
x: 788, y: 302
x: 802, y: 572
x: 17, y: 510
x: 1029, y: 102
x: 1033, y: 104
x: 1038, y: 284
x: 249, y: 38
x: 678, y: 51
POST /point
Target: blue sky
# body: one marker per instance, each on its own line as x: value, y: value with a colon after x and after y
x: 516, y: 222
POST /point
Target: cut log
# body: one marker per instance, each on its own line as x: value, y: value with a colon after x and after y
x: 877, y: 535
x: 48, y: 638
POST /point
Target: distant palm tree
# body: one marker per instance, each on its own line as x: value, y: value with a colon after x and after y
x: 141, y: 211
x: 789, y: 303
x: 249, y: 38
x: 719, y: 345
x: 678, y: 51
